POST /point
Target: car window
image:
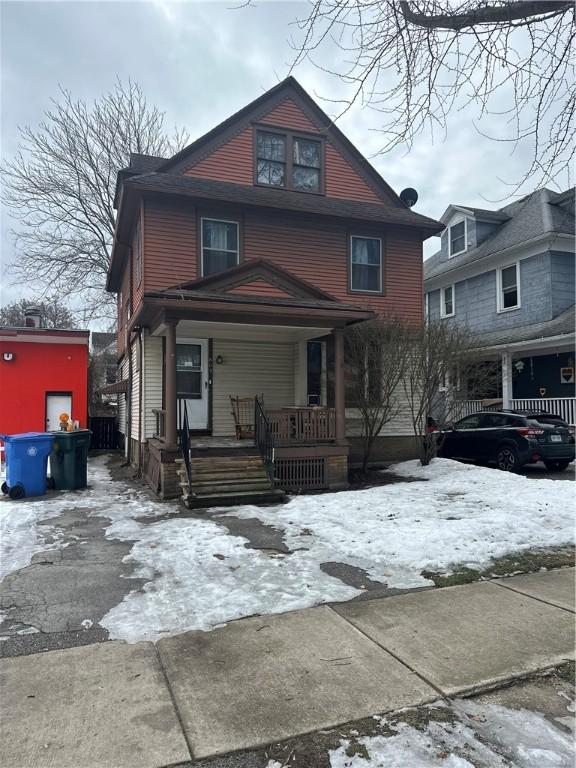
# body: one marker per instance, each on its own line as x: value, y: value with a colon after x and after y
x: 468, y: 422
x: 516, y: 421
x: 494, y: 420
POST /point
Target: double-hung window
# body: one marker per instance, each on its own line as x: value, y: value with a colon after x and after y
x: 447, y: 302
x: 509, y: 288
x: 219, y: 245
x: 366, y: 264
x: 288, y: 161
x: 457, y: 238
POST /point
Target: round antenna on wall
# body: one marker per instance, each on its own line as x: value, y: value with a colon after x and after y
x: 409, y: 196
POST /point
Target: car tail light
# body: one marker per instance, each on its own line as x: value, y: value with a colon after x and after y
x: 535, y: 457
x: 530, y: 431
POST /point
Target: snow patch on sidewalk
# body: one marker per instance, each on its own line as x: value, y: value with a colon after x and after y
x: 495, y: 736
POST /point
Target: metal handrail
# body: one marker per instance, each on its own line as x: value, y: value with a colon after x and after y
x: 263, y: 438
x: 184, y: 441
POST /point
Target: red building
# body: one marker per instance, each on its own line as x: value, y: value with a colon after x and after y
x: 43, y: 372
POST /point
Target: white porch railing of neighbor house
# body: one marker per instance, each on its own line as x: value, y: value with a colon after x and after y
x: 559, y: 406
x: 565, y: 407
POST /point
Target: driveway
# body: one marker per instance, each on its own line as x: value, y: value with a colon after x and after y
x: 112, y: 562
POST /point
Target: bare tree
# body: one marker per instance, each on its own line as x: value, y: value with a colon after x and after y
x: 52, y: 310
x: 445, y: 367
x: 415, y: 63
x: 60, y: 186
x: 376, y: 358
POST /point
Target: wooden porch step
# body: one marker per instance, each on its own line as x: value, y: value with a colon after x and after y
x: 233, y: 498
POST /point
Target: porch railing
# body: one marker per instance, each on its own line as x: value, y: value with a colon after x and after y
x: 560, y: 406
x: 302, y: 425
x: 263, y: 438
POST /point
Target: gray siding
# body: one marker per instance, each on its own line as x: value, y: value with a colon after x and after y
x: 476, y: 305
x: 562, y: 281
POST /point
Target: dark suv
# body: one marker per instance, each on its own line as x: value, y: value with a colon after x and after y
x: 509, y: 440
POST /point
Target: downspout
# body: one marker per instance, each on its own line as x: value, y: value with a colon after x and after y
x: 141, y: 399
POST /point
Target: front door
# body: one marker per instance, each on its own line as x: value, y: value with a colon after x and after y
x: 57, y: 403
x: 192, y: 385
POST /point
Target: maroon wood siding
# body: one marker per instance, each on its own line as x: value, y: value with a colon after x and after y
x: 313, y: 251
x: 259, y: 288
x: 231, y: 162
x: 170, y: 246
x: 234, y: 160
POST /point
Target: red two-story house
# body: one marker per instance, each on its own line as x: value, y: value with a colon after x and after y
x: 238, y: 263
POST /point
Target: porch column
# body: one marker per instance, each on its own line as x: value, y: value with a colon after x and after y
x: 339, y: 401
x: 507, y: 393
x: 171, y: 432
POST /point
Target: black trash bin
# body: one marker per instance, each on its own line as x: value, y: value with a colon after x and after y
x: 69, y: 459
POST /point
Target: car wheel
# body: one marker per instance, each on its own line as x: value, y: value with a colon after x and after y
x: 556, y: 466
x: 507, y: 459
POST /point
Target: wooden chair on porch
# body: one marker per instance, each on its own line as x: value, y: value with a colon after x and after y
x: 243, y: 413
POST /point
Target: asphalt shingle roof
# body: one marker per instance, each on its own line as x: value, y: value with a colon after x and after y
x: 561, y: 325
x: 529, y: 218
x: 281, y: 199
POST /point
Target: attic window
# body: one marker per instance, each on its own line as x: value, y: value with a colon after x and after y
x: 457, y: 238
x: 288, y: 161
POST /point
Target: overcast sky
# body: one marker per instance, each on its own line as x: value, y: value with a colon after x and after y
x: 202, y: 61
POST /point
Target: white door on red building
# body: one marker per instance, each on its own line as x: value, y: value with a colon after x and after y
x: 57, y: 403
x: 192, y: 383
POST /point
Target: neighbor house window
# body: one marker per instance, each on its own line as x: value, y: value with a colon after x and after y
x: 457, y: 238
x: 509, y: 288
x: 447, y: 304
x: 288, y: 161
x: 366, y: 264
x: 219, y: 245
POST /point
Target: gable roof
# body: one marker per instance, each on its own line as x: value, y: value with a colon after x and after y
x: 256, y: 269
x: 287, y: 88
x: 536, y: 215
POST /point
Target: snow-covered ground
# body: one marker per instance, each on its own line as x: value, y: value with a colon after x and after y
x: 482, y: 735
x: 200, y: 576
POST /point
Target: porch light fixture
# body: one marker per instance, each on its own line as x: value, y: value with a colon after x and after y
x: 519, y: 365
x: 219, y: 359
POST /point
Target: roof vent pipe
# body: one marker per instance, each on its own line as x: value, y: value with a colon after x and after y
x: 33, y: 317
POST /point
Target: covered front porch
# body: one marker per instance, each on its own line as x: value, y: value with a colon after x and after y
x: 530, y: 375
x: 281, y: 362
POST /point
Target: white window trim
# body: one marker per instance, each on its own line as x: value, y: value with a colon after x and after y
x: 426, y: 306
x: 500, y: 308
x: 443, y: 314
x: 220, y: 221
x: 455, y: 224
x: 365, y: 237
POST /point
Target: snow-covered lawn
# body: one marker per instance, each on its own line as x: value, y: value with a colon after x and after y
x: 200, y: 576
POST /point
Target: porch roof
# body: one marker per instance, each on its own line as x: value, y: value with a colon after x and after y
x: 560, y: 327
x: 181, y: 304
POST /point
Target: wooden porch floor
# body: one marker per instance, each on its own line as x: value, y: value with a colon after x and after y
x: 206, y: 441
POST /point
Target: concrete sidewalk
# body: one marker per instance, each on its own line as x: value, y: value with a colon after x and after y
x: 265, y: 679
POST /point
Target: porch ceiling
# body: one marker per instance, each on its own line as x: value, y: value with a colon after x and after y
x: 198, y: 329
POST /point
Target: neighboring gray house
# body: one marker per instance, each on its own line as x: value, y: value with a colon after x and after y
x: 508, y: 275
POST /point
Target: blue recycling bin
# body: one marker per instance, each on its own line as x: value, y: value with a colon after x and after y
x: 26, y: 463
